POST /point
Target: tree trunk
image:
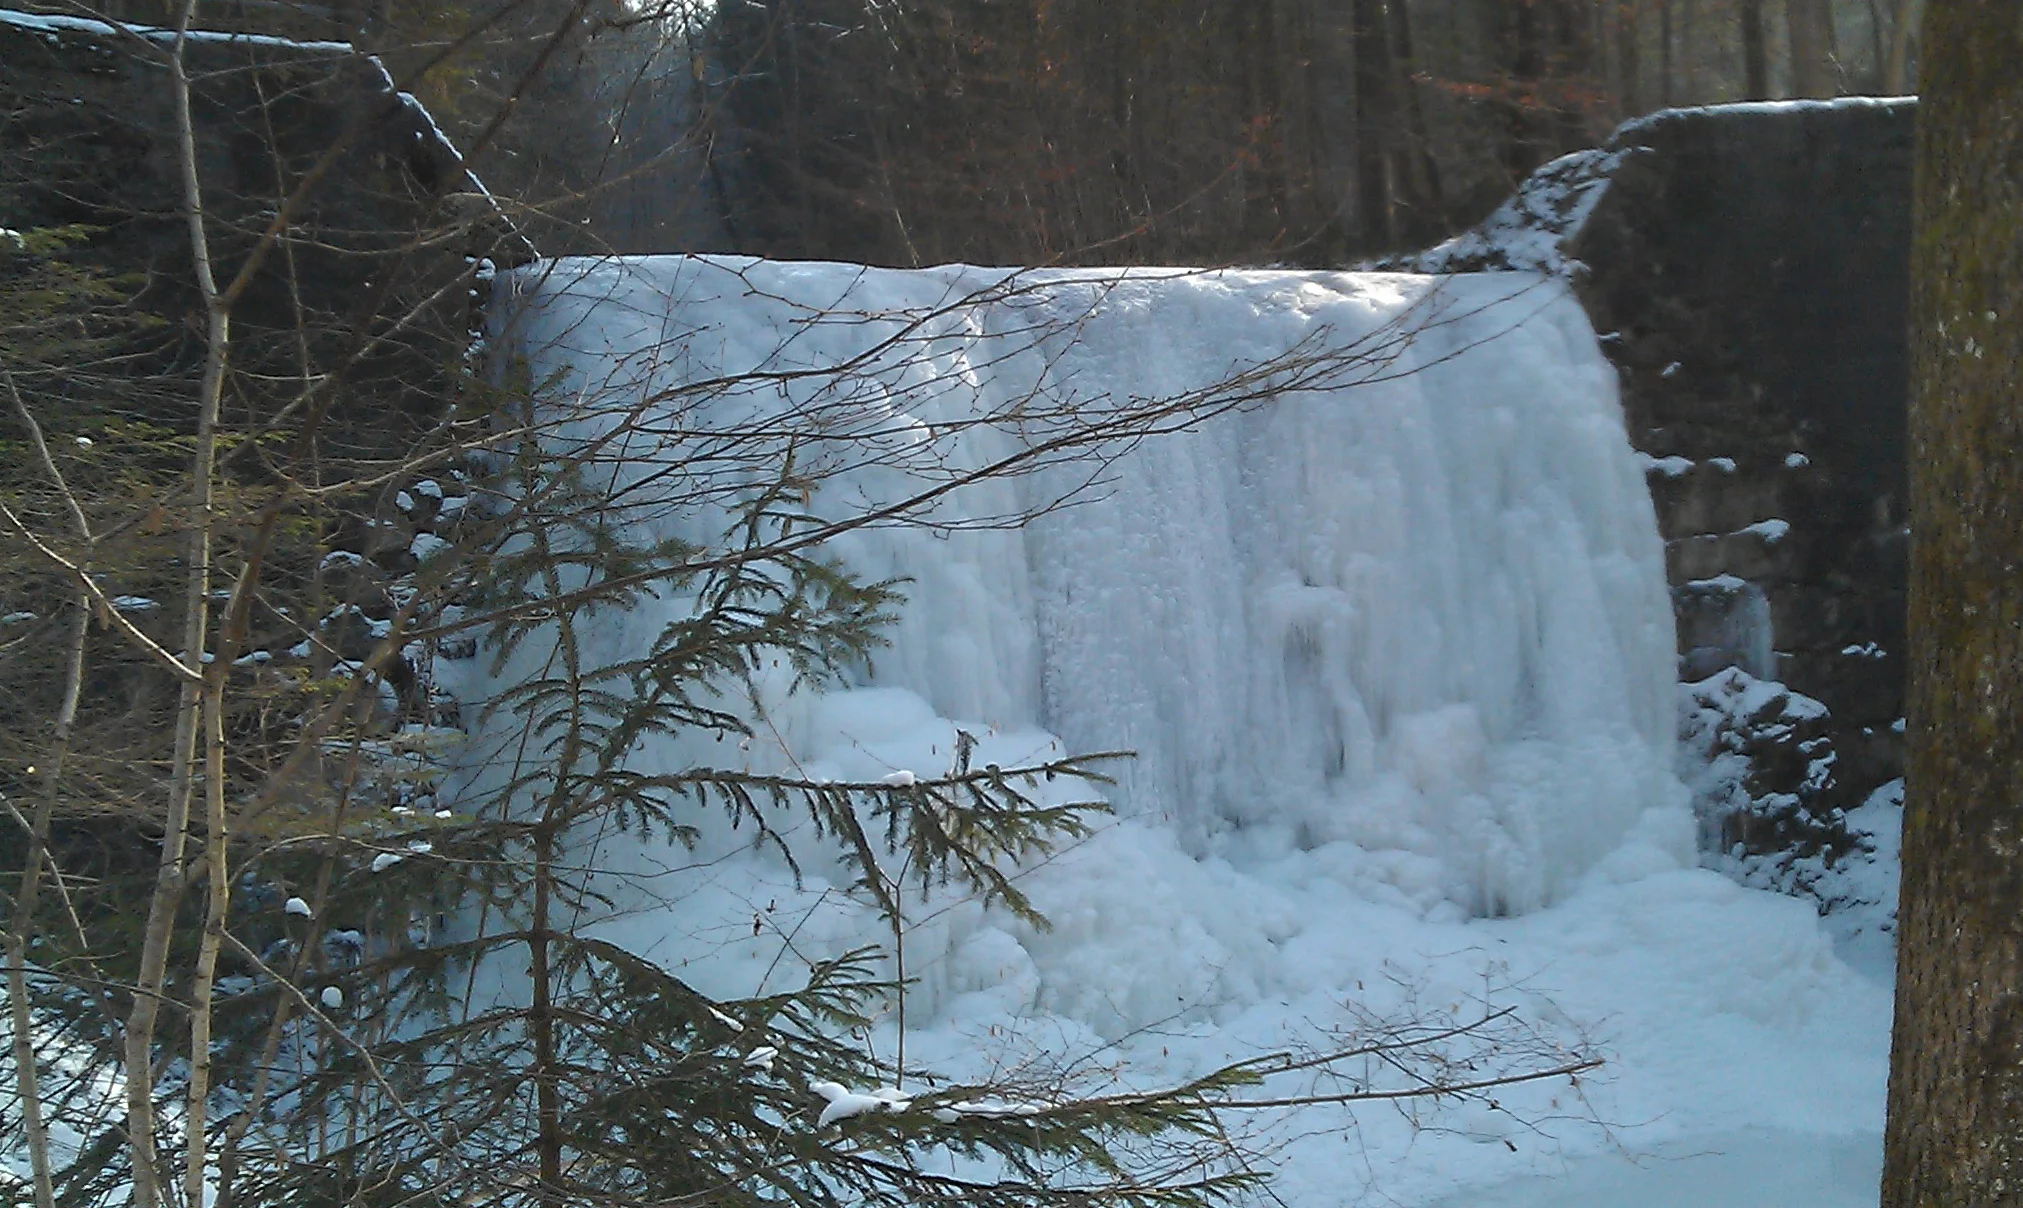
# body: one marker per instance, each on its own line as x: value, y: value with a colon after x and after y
x: 548, y: 1140
x: 1551, y: 52
x: 1427, y: 219
x: 34, y: 1126
x: 1623, y: 29
x: 1376, y: 127
x: 1574, y: 63
x: 1523, y: 43
x: 1266, y: 208
x: 1755, y: 54
x: 1311, y: 39
x: 1665, y: 54
x: 217, y: 898
x: 172, y: 870
x: 1810, y: 25
x: 1955, y: 1131
x: 1897, y: 71
x: 541, y: 1021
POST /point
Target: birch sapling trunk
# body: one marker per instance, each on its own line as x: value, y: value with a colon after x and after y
x: 218, y: 900
x: 173, y: 870
x: 27, y: 1077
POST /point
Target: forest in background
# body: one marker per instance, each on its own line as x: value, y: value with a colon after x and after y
x: 911, y: 132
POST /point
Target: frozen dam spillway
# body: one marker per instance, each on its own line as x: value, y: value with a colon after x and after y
x: 1409, y: 598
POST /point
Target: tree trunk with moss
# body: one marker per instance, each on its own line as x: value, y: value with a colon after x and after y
x: 1955, y: 1134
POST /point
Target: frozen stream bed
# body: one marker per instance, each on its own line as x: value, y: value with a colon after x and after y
x: 1394, y: 650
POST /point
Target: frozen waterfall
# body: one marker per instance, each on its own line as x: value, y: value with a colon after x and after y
x: 1417, y: 606
x: 1393, y: 646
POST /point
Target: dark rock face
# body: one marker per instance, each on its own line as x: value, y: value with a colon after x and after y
x: 1748, y: 269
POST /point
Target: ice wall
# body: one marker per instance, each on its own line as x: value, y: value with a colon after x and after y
x: 1414, y: 612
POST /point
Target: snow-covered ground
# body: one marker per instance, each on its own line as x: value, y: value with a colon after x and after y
x: 1395, y: 653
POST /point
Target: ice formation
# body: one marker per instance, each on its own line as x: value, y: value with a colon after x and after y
x: 1419, y: 610
x: 1396, y: 654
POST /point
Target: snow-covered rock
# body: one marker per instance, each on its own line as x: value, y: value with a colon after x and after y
x: 1761, y: 760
